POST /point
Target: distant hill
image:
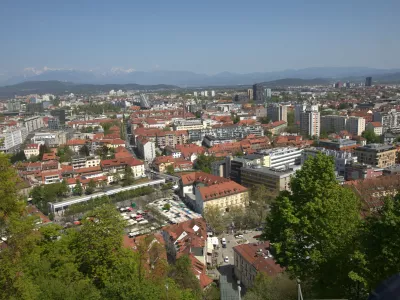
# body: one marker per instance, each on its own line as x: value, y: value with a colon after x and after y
x: 296, y: 82
x: 192, y: 79
x: 58, y: 88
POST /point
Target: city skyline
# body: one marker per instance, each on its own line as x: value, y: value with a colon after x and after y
x: 206, y: 37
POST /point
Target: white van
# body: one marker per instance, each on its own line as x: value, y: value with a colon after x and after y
x: 223, y: 242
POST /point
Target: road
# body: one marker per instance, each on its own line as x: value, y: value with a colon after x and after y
x: 228, y: 284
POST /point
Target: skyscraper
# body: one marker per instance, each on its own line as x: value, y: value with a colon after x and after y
x: 258, y: 92
x: 368, y: 81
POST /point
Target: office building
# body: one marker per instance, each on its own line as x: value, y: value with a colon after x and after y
x: 195, y: 124
x: 144, y: 101
x: 52, y: 139
x: 60, y: 114
x: 258, y: 93
x: 299, y: 108
x: 276, y: 112
x: 378, y: 155
x: 235, y: 164
x: 281, y: 158
x: 358, y: 171
x: 368, y: 81
x: 275, y: 180
x: 338, y: 144
x: 226, y: 132
x: 310, y: 123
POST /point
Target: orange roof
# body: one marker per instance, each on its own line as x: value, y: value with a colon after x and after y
x: 49, y: 156
x: 376, y: 124
x: 205, y: 178
x: 220, y: 190
x: 76, y: 142
x: 131, y: 161
x: 258, y: 259
x: 87, y: 170
x: 32, y: 146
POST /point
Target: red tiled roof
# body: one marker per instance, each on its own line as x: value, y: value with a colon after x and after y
x: 220, y: 190
x: 76, y: 142
x: 32, y: 146
x: 205, y: 178
x: 376, y: 124
x: 252, y: 254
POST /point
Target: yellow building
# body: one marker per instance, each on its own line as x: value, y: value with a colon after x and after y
x: 378, y: 155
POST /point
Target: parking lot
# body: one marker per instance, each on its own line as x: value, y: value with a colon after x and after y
x: 232, y: 241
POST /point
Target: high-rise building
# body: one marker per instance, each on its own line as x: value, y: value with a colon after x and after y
x: 268, y: 93
x: 310, y: 122
x: 195, y: 94
x: 60, y: 114
x: 212, y: 93
x: 276, y: 112
x: 250, y: 94
x: 368, y: 81
x: 334, y: 123
x: 205, y: 93
x: 355, y: 125
x: 338, y: 85
x: 258, y: 93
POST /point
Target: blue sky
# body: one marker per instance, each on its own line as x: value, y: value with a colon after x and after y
x: 201, y: 36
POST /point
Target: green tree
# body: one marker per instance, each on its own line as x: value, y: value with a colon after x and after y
x: 77, y: 190
x: 217, y: 222
x: 265, y: 287
x: 380, y: 244
x: 260, y: 200
x: 90, y: 187
x: 42, y: 150
x: 204, y: 162
x: 65, y: 153
x: 84, y: 150
x: 19, y: 156
x: 170, y: 169
x: 183, y: 275
x: 98, y: 243
x: 370, y: 136
x: 290, y: 118
x: 128, y: 176
x: 313, y: 227
x: 116, y: 177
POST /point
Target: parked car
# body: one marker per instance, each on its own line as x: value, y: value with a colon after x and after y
x: 223, y: 242
x: 226, y: 259
x: 239, y: 236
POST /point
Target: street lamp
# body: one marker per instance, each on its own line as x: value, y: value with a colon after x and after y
x: 239, y: 289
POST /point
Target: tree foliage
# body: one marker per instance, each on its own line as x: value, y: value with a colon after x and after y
x: 313, y: 227
x: 77, y: 190
x: 370, y: 136
x: 43, y: 194
x: 90, y: 187
x: 84, y: 150
x: 214, y: 218
x: 280, y: 287
x: 204, y: 162
x: 90, y: 263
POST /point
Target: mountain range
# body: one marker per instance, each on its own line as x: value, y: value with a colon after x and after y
x: 192, y: 79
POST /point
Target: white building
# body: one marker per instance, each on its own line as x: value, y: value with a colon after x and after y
x: 212, y: 93
x: 12, y: 139
x: 376, y: 127
x: 195, y: 94
x: 31, y: 150
x: 146, y: 148
x: 299, y: 108
x: 34, y: 123
x: 281, y: 158
x: 310, y: 123
x: 355, y: 125
x: 389, y: 120
x: 268, y: 93
x: 205, y: 93
x: 112, y: 93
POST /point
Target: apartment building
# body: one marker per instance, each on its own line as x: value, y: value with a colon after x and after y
x: 276, y: 112
x: 281, y: 158
x: 253, y: 258
x: 85, y: 162
x: 33, y: 123
x: 31, y: 150
x: 334, y: 123
x: 390, y: 120
x: 357, y: 171
x: 118, y: 165
x: 342, y: 158
x: 12, y: 139
x: 378, y: 155
x: 355, y: 125
x: 275, y: 180
x: 310, y: 123
x: 146, y: 148
x: 171, y: 138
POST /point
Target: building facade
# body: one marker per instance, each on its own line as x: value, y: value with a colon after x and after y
x: 378, y: 155
x: 310, y: 123
x: 277, y: 112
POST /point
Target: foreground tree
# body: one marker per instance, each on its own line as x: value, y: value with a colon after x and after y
x: 280, y: 287
x: 90, y: 187
x: 312, y: 228
x: 128, y: 176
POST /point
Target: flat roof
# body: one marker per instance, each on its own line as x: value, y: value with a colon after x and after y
x: 269, y: 171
